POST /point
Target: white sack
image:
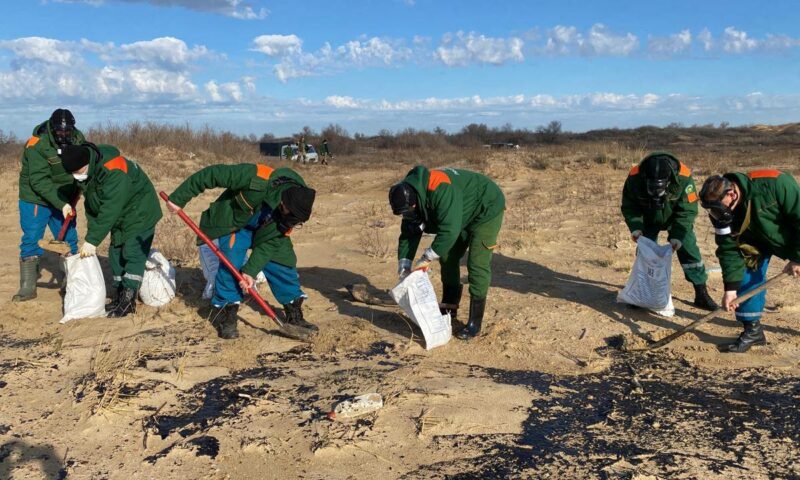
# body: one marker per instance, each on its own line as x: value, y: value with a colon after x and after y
x: 416, y: 297
x: 158, y: 283
x: 86, y: 289
x: 649, y: 282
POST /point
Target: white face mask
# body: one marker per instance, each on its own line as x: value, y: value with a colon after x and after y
x: 81, y: 177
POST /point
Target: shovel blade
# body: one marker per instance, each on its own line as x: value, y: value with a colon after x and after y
x: 55, y: 246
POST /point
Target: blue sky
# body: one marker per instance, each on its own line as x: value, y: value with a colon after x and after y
x: 255, y: 66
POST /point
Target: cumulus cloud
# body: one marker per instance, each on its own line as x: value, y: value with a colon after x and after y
x: 675, y: 44
x: 738, y: 41
x: 230, y: 8
x: 293, y: 62
x: 706, y: 39
x: 462, y: 49
x: 341, y: 101
x: 598, y: 41
x: 157, y: 70
x: 167, y: 52
x: 277, y: 45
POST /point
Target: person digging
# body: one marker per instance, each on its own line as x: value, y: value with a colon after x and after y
x: 755, y: 216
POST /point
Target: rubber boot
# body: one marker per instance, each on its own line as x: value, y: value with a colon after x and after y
x: 126, y: 304
x: 228, y: 327
x: 473, y: 328
x: 451, y: 298
x: 28, y: 274
x: 703, y: 300
x: 217, y: 317
x: 114, y: 299
x: 294, y: 315
x: 753, y: 334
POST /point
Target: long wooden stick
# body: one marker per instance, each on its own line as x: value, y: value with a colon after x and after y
x: 711, y: 315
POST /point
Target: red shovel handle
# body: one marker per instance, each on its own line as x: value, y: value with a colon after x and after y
x: 64, y: 226
x: 234, y: 271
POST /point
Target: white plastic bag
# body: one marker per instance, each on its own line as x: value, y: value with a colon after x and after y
x: 158, y: 283
x: 649, y: 282
x: 86, y: 289
x: 209, y: 262
x: 416, y: 297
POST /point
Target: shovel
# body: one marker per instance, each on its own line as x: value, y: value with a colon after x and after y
x: 291, y: 331
x: 704, y: 319
x: 58, y: 245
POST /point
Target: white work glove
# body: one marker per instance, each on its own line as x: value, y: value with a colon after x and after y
x: 676, y: 244
x: 403, y: 268
x: 425, y: 260
x: 67, y: 210
x: 635, y: 235
x: 88, y: 250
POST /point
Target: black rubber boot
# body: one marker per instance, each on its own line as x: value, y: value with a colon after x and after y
x: 753, y: 334
x: 126, y: 304
x: 114, y: 299
x: 703, y: 300
x: 473, y: 328
x: 228, y: 327
x: 217, y: 317
x: 294, y: 315
x: 28, y: 274
x: 451, y: 297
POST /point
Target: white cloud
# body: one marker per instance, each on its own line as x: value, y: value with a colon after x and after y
x: 167, y: 52
x: 737, y: 41
x: 675, y: 44
x: 341, y: 102
x: 598, y: 41
x: 463, y: 49
x: 46, y: 50
x: 706, y: 39
x: 230, y: 8
x: 225, y: 92
x: 277, y: 45
x: 293, y: 62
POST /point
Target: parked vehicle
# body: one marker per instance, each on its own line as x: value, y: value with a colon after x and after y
x: 288, y: 151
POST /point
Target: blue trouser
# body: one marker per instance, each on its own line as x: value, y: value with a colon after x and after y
x: 751, y: 309
x: 33, y: 219
x: 284, y: 282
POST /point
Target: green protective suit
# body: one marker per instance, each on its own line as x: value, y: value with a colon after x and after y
x: 42, y: 178
x: 676, y: 217
x: 121, y: 200
x: 248, y: 188
x: 465, y: 211
x: 773, y: 199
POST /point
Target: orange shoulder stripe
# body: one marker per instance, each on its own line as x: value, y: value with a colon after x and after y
x: 684, y: 171
x: 634, y: 171
x: 117, y: 163
x: 437, y: 178
x: 764, y: 174
x: 264, y: 171
x: 31, y: 142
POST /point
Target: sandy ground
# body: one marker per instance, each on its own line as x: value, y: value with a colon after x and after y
x: 545, y: 391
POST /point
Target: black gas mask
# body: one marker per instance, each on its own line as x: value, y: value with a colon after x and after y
x: 404, y: 201
x: 720, y: 214
x: 62, y: 123
x: 297, y: 202
x: 658, y: 171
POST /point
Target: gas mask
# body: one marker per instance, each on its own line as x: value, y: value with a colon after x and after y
x: 658, y: 171
x: 721, y: 215
x: 62, y: 123
x: 285, y: 222
x: 412, y: 222
x: 297, y: 201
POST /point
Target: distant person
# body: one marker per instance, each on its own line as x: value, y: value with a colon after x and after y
x: 756, y: 216
x: 660, y: 194
x: 257, y: 211
x: 465, y: 211
x: 301, y: 149
x: 324, y: 150
x: 120, y: 200
x: 47, y: 195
